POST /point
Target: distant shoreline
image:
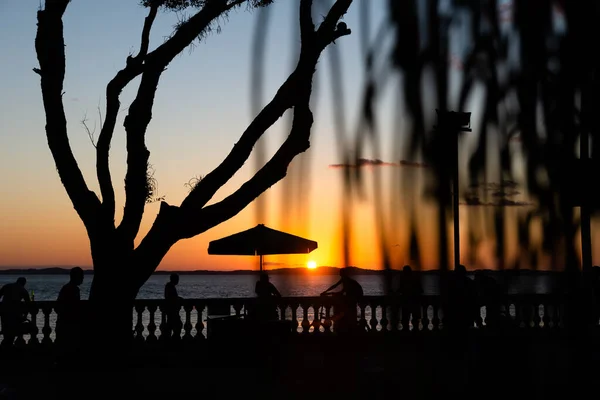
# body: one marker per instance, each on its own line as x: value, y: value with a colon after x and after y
x: 275, y: 271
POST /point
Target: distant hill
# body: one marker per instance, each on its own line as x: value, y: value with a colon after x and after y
x: 40, y: 271
x: 275, y: 271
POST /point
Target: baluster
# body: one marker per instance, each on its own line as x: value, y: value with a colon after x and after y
x: 435, y: 319
x: 411, y: 317
x: 373, y: 321
x: 47, y: 329
x: 280, y: 308
x: 479, y: 318
x: 550, y: 314
x: 424, y: 317
x: 404, y: 315
x: 519, y: 319
x: 384, y: 319
x: 305, y: 323
x: 152, y: 324
x: 536, y: 318
x: 556, y: 314
x: 187, y: 326
x: 547, y: 319
x: 316, y: 319
x: 163, y: 327
x: 327, y: 323
x: 139, y: 326
x: 238, y: 309
x: 416, y: 317
x: 199, y: 322
x: 394, y: 314
x: 561, y: 315
x: 33, y: 340
x: 526, y: 315
x: 295, y: 324
x: 363, y: 316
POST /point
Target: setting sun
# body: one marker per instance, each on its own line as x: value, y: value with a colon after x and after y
x: 311, y: 265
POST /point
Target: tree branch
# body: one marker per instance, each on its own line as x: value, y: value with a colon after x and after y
x: 312, y: 46
x: 140, y: 112
x: 133, y: 68
x: 307, y: 26
x: 273, y: 171
x: 157, y: 243
x: 337, y: 11
x: 90, y: 132
x: 297, y: 91
x: 208, y: 186
x: 189, y: 31
x: 50, y: 49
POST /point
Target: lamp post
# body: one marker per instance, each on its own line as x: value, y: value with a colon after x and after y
x: 453, y: 123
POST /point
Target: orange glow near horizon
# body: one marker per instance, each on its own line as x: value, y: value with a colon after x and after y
x: 311, y: 265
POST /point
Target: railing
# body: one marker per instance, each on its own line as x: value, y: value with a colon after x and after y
x: 381, y: 313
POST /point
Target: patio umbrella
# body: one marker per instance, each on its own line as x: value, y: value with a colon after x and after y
x: 261, y: 241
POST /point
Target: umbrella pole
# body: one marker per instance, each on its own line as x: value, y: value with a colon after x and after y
x: 261, y: 263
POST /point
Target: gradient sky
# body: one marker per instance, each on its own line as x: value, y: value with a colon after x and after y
x: 201, y: 109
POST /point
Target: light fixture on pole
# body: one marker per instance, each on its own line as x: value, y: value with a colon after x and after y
x: 454, y: 123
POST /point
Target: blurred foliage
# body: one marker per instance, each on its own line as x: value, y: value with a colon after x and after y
x: 541, y: 91
x: 180, y: 5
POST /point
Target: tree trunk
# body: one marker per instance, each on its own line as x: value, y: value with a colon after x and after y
x: 109, y: 318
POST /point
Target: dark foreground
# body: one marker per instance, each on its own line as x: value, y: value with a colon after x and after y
x: 481, y: 366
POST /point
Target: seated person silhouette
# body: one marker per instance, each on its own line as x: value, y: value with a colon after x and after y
x: 266, y: 292
x: 346, y: 317
x: 13, y: 294
x: 69, y: 319
x: 172, y: 305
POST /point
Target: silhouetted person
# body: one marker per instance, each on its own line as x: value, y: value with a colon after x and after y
x: 266, y: 292
x: 69, y: 318
x: 173, y: 305
x: 490, y: 295
x: 13, y: 294
x: 349, y: 296
x: 461, y: 307
x: 410, y: 289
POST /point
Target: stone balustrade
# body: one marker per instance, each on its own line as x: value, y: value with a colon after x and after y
x: 307, y: 316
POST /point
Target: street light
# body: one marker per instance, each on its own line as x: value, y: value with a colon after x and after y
x: 453, y: 123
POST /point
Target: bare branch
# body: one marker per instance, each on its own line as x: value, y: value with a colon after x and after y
x: 155, y: 245
x: 50, y: 49
x: 90, y: 132
x: 295, y: 92
x: 188, y: 31
x: 133, y: 68
x: 307, y: 26
x: 145, y: 42
x: 312, y: 46
x: 206, y: 189
x: 140, y: 112
x: 337, y: 11
x: 100, y: 117
x: 273, y: 171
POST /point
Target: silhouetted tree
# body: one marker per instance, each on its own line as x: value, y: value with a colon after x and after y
x: 121, y: 268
